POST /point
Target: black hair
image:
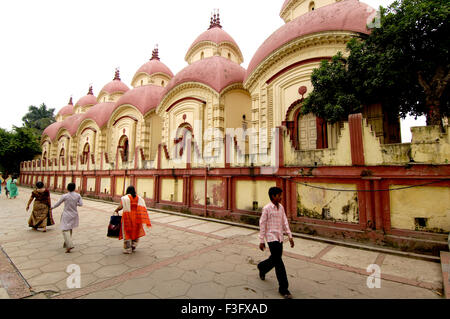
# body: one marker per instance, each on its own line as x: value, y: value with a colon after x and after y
x: 71, y: 187
x: 274, y: 191
x: 39, y: 184
x: 131, y: 191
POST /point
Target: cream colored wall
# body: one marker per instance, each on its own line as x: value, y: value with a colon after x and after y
x: 430, y: 145
x: 285, y: 91
x: 301, y: 7
x: 339, y: 156
x: 155, y: 135
x: 105, y: 184
x: 90, y: 185
x: 420, y: 202
x: 59, y: 183
x: 248, y: 191
x: 171, y: 189
x: 372, y: 146
x: 237, y: 103
x: 78, y: 183
x: 120, y: 188
x: 208, y: 51
x: 157, y: 79
x: 141, y: 77
x: 215, y: 191
x: 145, y: 187
x: 342, y: 206
x: 154, y: 79
x: 52, y: 182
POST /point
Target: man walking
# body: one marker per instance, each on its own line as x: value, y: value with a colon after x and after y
x: 273, y: 224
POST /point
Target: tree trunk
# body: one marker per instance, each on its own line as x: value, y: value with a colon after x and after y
x: 434, y: 115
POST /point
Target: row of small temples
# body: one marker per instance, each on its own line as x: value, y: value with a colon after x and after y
x: 211, y: 139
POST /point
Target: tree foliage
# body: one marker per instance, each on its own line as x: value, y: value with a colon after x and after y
x: 38, y: 118
x: 17, y: 146
x: 404, y: 64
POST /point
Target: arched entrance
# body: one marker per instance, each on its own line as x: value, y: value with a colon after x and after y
x: 123, y: 148
x: 61, y: 157
x: 85, y: 155
x: 183, y: 138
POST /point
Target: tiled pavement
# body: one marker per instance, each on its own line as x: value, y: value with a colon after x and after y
x: 184, y: 257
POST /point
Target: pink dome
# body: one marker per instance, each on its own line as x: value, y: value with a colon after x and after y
x: 67, y: 110
x: 100, y: 113
x: 88, y: 99
x: 52, y: 130
x: 144, y: 98
x: 347, y: 15
x: 115, y: 86
x: 154, y: 66
x: 216, y: 72
x: 216, y: 35
x: 72, y: 123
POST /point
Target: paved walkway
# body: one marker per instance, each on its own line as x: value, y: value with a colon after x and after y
x: 184, y: 257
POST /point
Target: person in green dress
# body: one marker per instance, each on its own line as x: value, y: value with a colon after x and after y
x: 13, y: 190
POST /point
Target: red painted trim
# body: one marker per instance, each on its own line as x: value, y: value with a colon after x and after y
x: 294, y: 65
x: 125, y: 116
x: 87, y: 129
x: 184, y: 99
x: 64, y: 135
x: 356, y: 139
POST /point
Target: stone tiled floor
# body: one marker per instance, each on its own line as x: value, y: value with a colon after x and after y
x: 184, y: 257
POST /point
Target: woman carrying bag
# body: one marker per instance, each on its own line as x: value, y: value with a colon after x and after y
x: 133, y: 217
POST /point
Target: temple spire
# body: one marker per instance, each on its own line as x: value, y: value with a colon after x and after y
x: 215, y: 19
x: 155, y: 53
x: 70, y: 101
x: 117, y: 75
x: 90, y: 90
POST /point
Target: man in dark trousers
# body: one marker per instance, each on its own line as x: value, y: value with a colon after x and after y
x: 273, y: 224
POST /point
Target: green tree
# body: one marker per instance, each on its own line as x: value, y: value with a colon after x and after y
x: 17, y: 146
x: 38, y: 118
x: 404, y: 65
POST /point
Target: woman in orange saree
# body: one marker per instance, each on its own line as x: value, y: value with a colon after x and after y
x: 134, y: 216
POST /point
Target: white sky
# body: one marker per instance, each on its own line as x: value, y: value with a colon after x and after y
x: 53, y: 49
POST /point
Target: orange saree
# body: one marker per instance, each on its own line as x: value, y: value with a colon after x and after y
x: 134, y: 216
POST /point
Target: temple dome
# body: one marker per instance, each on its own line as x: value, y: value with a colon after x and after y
x: 88, y: 99
x: 100, y: 113
x: 115, y: 86
x: 67, y: 110
x: 216, y: 72
x: 144, y: 98
x: 214, y: 35
x: 348, y: 15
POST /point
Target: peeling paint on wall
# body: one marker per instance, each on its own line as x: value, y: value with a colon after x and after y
x: 328, y: 204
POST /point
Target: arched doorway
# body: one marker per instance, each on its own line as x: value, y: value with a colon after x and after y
x: 123, y: 148
x: 44, y: 159
x: 62, y: 156
x: 183, y: 138
x: 85, y: 155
